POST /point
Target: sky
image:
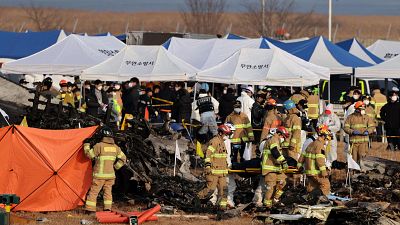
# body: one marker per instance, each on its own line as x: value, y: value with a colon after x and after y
x: 340, y: 7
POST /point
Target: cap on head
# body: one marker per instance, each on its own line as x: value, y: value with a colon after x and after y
x: 289, y: 104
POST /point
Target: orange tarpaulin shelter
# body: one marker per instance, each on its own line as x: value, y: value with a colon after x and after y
x: 46, y: 168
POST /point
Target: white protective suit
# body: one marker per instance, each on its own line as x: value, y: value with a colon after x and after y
x: 261, y: 187
x: 247, y: 103
x: 333, y: 122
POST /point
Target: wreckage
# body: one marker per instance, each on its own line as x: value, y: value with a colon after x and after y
x: 151, y: 151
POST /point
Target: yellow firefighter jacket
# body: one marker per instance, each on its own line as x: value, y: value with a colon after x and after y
x: 244, y: 131
x: 216, y: 155
x: 271, y: 120
x: 360, y: 123
x: 272, y: 162
x: 313, y: 159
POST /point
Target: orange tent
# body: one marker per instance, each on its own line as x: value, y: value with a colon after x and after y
x: 46, y: 168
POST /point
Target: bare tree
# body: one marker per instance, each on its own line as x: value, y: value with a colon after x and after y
x: 204, y: 16
x: 44, y: 18
x: 278, y: 17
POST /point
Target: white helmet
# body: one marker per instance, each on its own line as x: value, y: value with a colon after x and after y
x: 231, y: 126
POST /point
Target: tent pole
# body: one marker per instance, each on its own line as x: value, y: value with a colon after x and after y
x: 386, y: 86
x: 82, y: 94
x: 213, y: 86
x: 329, y: 91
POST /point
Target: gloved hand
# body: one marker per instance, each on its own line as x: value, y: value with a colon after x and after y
x: 366, y: 133
x: 356, y: 132
x: 285, y: 166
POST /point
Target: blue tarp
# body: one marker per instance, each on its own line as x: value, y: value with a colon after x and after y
x: 346, y: 45
x: 15, y: 45
x: 305, y: 50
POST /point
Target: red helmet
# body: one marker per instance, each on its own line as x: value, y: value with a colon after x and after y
x: 224, y: 129
x: 359, y: 105
x: 63, y: 83
x: 271, y: 102
x: 282, y: 130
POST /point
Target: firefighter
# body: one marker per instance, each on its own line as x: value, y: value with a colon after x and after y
x: 359, y: 126
x: 369, y: 108
x: 217, y: 167
x: 292, y: 123
x: 299, y: 95
x: 108, y: 157
x: 273, y: 165
x: 313, y: 107
x: 272, y: 118
x: 379, y: 100
x: 243, y: 133
x: 312, y: 162
x: 66, y: 95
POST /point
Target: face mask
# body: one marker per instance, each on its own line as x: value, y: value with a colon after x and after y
x: 99, y: 88
x: 237, y: 110
x: 394, y: 98
x: 117, y: 87
x: 356, y: 97
x: 130, y: 85
x: 362, y: 112
x: 114, y: 94
x: 366, y: 102
x: 177, y: 89
x: 225, y: 137
x: 281, y: 139
x: 225, y: 91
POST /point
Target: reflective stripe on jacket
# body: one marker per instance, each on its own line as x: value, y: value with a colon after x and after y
x: 360, y: 123
x: 244, y: 131
x: 216, y: 155
x: 313, y: 159
x: 269, y: 163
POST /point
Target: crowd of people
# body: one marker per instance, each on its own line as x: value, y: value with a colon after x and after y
x: 287, y: 129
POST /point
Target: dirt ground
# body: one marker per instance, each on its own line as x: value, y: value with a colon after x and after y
x: 75, y: 216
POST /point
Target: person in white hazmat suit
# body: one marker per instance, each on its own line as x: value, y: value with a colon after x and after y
x: 230, y: 179
x: 247, y: 101
x: 330, y: 119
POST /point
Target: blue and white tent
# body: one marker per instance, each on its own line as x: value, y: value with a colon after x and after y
x: 322, y: 52
x: 234, y: 36
x: 15, y: 45
x: 206, y: 53
x: 356, y: 48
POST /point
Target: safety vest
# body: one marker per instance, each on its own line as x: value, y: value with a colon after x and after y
x: 205, y: 104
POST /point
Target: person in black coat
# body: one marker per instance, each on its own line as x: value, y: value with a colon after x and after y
x: 257, y: 116
x: 130, y: 98
x: 96, y: 100
x: 226, y: 103
x: 182, y: 108
x: 390, y: 115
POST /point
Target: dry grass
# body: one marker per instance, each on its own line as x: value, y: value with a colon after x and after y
x: 366, y: 28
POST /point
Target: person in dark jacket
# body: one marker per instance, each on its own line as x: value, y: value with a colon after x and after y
x: 96, y: 100
x: 390, y: 115
x: 145, y: 101
x: 181, y: 109
x: 130, y: 97
x: 257, y: 116
x: 226, y: 103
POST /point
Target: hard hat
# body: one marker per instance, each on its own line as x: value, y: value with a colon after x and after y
x: 359, y: 105
x: 323, y: 130
x: 224, y: 129
x: 106, y: 131
x: 63, y: 83
x: 282, y: 130
x: 238, y: 104
x: 250, y: 89
x: 289, y: 104
x: 47, y: 81
x: 230, y: 126
x: 271, y: 102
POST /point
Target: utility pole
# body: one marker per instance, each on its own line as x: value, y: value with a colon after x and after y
x: 330, y: 20
x: 263, y: 16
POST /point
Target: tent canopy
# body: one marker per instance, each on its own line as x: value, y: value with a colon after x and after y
x: 322, y: 52
x: 264, y: 67
x: 15, y: 45
x: 234, y: 36
x: 385, y: 49
x: 204, y: 54
x: 68, y: 57
x: 148, y: 63
x: 387, y: 69
x: 46, y: 168
x: 356, y: 48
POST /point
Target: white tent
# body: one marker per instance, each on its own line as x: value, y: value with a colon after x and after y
x: 265, y: 67
x: 67, y: 57
x: 387, y: 69
x: 385, y: 49
x: 148, y: 63
x: 207, y: 53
